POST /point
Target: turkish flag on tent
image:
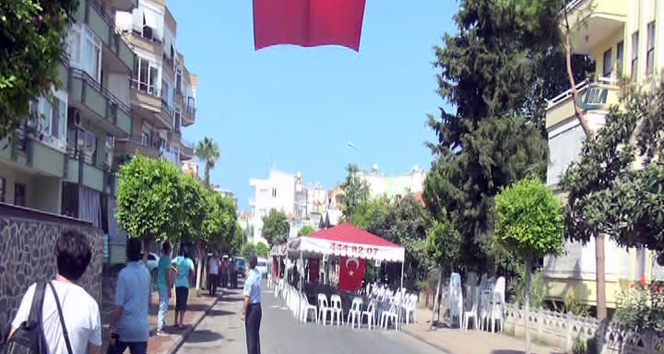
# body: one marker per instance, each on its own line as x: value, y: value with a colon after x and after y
x: 351, y: 273
x: 308, y: 22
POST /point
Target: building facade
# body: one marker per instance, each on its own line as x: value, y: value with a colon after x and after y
x: 622, y: 38
x: 122, y: 94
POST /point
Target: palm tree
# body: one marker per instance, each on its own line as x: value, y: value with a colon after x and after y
x: 208, y: 151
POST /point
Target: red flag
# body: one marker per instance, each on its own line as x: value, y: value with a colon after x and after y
x: 351, y: 274
x: 308, y: 22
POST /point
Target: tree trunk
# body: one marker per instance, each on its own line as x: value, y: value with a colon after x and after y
x: 207, y: 174
x: 436, y: 302
x: 527, y: 307
x: 199, y: 271
x: 580, y: 116
x: 601, y: 287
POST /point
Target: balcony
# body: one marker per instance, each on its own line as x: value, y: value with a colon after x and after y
x: 84, y: 168
x: 33, y: 151
x: 135, y: 145
x: 148, y: 104
x: 118, y: 52
x: 187, y: 151
x: 593, y: 20
x: 561, y: 107
x: 123, y: 5
x: 189, y: 112
x: 97, y: 103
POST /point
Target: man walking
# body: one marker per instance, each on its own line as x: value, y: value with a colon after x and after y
x: 80, y: 312
x: 233, y: 272
x: 252, y: 312
x: 164, y: 285
x: 129, y: 322
x: 213, y: 277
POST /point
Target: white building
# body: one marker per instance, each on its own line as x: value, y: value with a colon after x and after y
x: 276, y: 192
x: 392, y: 186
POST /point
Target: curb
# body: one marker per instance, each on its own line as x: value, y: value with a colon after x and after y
x: 182, y: 338
x: 424, y: 340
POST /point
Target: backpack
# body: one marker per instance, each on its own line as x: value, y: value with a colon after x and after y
x: 29, y: 337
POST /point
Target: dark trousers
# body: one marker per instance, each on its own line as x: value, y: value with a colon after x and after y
x: 224, y: 275
x: 234, y: 280
x: 214, y: 280
x: 252, y: 325
x: 134, y: 347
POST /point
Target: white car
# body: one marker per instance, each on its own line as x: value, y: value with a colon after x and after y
x: 262, y: 265
x: 153, y: 261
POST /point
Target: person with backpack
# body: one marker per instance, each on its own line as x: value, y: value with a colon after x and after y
x: 129, y: 322
x: 70, y: 321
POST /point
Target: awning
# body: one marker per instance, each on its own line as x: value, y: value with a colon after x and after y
x: 279, y: 250
x: 349, y: 241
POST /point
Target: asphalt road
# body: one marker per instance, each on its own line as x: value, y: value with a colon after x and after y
x: 222, y: 331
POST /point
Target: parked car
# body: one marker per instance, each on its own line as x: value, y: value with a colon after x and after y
x: 240, y: 266
x: 262, y: 266
x: 153, y: 261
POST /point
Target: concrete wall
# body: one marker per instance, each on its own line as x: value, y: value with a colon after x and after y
x: 27, y: 240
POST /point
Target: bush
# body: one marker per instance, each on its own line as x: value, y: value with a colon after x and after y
x: 579, y: 346
x: 641, y: 307
x: 575, y: 307
x: 517, y: 287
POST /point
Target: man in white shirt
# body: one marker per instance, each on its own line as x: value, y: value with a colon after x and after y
x: 80, y: 311
x: 213, y: 277
x: 129, y: 322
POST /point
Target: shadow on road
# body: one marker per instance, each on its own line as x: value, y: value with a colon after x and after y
x: 511, y: 351
x: 203, y: 336
x: 214, y: 313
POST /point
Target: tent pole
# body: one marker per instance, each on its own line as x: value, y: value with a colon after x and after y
x: 402, y: 273
x: 301, y: 275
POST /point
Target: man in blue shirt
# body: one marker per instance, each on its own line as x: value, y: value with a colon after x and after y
x: 252, y: 312
x: 129, y: 323
x: 185, y: 270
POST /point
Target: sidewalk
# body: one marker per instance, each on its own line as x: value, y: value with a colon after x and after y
x: 459, y: 341
x: 197, y: 308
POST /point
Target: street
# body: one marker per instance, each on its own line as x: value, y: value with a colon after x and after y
x: 222, y: 331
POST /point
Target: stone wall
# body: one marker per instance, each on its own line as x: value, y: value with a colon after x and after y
x: 27, y: 243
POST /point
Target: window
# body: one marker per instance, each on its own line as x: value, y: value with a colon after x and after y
x: 48, y: 117
x: 85, y: 50
x: 87, y: 146
x: 19, y: 194
x: 178, y: 81
x: 620, y: 49
x: 274, y: 192
x: 650, y: 54
x: 177, y: 120
x: 164, y: 91
x: 108, y: 154
x: 606, y: 64
x: 2, y: 189
x: 147, y: 73
x: 145, y: 139
x: 635, y: 56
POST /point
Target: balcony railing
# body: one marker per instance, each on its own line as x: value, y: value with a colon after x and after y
x: 579, y: 87
x: 109, y: 21
x: 83, y: 75
x: 144, y: 87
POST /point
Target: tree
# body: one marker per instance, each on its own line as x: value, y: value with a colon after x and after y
x: 275, y: 227
x: 530, y: 225
x: 238, y: 239
x: 200, y: 220
x: 444, y: 248
x: 151, y: 200
x: 356, y: 190
x: 208, y: 151
x: 306, y: 230
x: 32, y: 34
x: 262, y: 249
x: 248, y: 249
x: 495, y: 137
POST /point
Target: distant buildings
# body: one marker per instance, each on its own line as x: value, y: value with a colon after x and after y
x: 394, y: 185
x: 226, y: 192
x: 190, y: 167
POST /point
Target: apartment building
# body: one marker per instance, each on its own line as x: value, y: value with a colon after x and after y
x: 391, y: 186
x: 162, y: 91
x: 624, y: 40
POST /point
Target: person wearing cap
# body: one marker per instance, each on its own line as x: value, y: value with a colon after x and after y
x: 252, y: 312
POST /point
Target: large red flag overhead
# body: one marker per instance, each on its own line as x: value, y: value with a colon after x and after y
x: 308, y: 22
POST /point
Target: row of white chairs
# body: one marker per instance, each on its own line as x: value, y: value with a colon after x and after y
x: 393, y: 305
x: 484, y: 303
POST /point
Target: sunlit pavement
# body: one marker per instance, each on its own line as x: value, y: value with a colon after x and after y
x: 223, y: 332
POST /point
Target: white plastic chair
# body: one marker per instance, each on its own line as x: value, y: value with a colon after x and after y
x: 456, y: 298
x: 370, y: 314
x: 306, y: 308
x: 391, y: 314
x: 473, y: 296
x: 355, y: 313
x: 409, y: 307
x: 336, y: 309
x: 497, y: 304
x: 323, y: 308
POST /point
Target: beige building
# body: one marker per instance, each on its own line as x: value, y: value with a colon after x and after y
x: 624, y: 38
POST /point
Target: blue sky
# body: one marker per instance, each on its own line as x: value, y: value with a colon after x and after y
x: 297, y: 108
